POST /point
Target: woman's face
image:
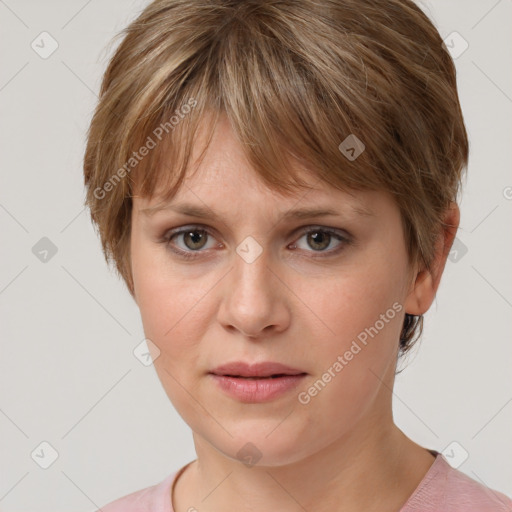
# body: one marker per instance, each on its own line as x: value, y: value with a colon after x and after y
x: 257, y: 288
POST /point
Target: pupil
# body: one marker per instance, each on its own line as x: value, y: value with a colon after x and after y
x: 196, y: 237
x: 319, y: 235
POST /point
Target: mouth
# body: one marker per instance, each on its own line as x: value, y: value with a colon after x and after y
x: 265, y: 387
x: 253, y: 377
x: 256, y: 371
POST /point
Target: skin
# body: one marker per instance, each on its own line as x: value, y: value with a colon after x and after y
x: 340, y: 451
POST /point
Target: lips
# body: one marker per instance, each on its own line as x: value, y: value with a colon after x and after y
x: 258, y: 382
x: 262, y: 370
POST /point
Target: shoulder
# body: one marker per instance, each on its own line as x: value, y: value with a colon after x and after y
x: 449, y: 490
x: 155, y: 498
x: 466, y: 494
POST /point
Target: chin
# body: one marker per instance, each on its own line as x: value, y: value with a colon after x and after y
x: 259, y: 443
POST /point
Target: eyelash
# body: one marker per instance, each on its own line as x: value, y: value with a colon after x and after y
x: 190, y: 255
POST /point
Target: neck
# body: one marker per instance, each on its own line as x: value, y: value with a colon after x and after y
x: 371, y: 469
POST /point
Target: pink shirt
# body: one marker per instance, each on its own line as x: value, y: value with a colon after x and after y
x: 442, y: 489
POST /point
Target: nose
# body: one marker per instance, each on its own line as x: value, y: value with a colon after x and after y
x: 254, y: 298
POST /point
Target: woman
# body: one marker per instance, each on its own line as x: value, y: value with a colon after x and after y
x: 277, y: 181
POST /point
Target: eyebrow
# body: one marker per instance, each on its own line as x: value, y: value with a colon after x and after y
x: 203, y: 212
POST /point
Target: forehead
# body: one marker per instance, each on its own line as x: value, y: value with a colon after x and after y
x: 221, y: 191
x: 224, y: 172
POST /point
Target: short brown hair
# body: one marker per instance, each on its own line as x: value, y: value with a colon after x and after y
x: 295, y: 78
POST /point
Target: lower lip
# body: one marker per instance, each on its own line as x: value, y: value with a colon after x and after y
x: 257, y: 390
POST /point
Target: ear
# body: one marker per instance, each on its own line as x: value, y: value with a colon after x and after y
x: 424, y: 284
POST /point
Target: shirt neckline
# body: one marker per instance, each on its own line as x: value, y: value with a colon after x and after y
x: 173, y: 479
x: 434, y: 469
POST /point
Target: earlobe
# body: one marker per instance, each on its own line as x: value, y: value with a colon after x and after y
x: 427, y: 282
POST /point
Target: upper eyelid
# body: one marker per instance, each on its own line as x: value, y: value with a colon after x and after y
x: 210, y: 230
x: 342, y: 233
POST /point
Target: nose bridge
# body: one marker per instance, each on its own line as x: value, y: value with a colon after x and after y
x: 251, y: 295
x: 251, y: 273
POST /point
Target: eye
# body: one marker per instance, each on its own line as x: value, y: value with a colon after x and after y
x: 194, y: 240
x: 319, y: 239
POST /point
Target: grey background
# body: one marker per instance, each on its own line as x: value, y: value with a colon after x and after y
x: 68, y: 375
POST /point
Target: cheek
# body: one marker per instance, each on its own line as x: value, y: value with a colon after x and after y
x: 355, y: 349
x: 172, y: 314
x: 352, y: 302
x: 175, y: 309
